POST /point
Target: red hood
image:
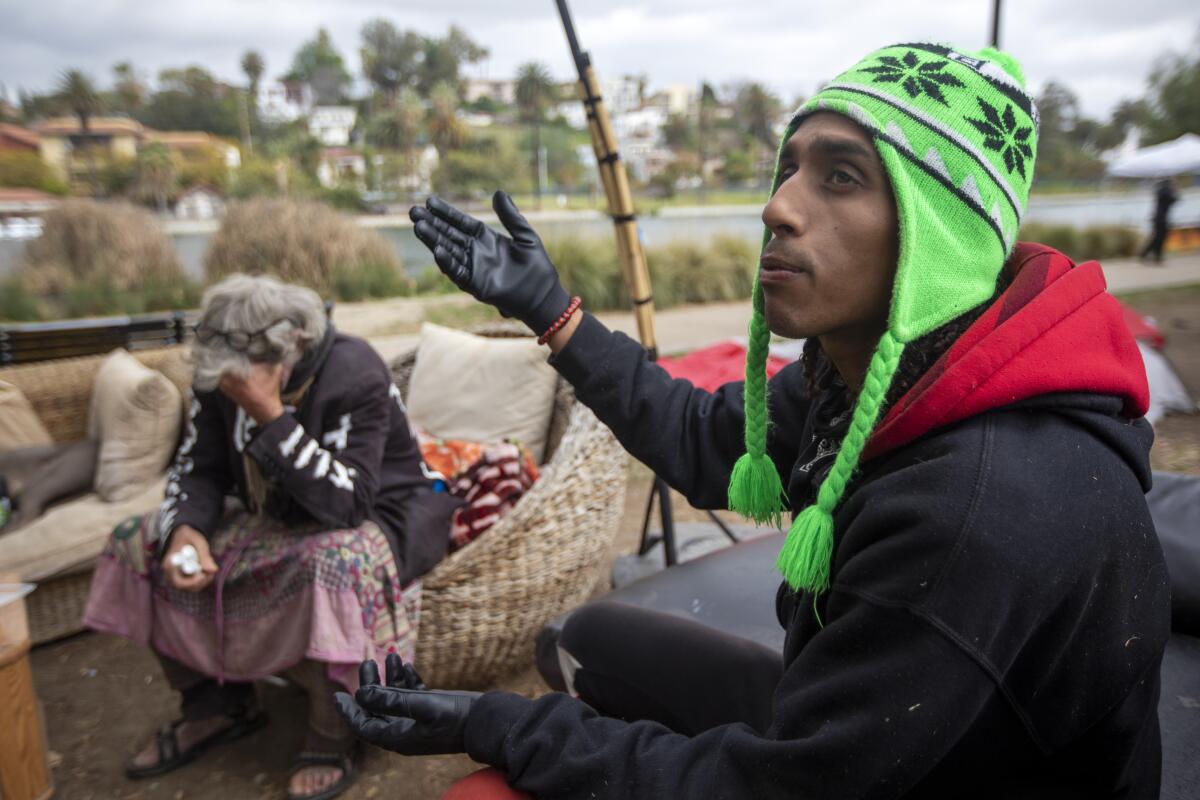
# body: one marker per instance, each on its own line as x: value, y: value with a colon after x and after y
x: 1055, y: 329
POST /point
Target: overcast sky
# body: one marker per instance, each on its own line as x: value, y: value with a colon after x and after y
x: 1103, y: 49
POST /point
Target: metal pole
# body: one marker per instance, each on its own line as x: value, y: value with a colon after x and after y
x: 996, y: 23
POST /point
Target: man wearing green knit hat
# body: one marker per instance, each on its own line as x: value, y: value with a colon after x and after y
x: 974, y: 599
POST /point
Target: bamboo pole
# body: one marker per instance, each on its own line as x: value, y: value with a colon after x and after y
x: 616, y: 191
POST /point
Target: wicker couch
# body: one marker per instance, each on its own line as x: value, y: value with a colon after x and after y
x: 61, y: 562
x: 482, y: 606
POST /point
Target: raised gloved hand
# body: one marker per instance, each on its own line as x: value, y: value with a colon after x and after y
x: 404, y: 716
x: 514, y: 275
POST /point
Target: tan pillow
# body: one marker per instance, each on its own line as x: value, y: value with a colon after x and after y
x: 135, y: 416
x: 482, y: 390
x: 19, y: 423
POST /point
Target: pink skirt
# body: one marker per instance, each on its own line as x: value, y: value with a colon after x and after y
x: 282, y: 594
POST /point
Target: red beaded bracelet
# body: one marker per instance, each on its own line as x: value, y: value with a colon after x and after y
x: 572, y: 307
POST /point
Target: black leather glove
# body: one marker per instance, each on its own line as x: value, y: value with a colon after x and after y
x: 404, y: 716
x: 514, y: 275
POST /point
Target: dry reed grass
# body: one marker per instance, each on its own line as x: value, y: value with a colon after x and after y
x: 85, y: 243
x: 306, y: 243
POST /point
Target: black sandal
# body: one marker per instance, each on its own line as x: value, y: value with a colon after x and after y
x: 323, y: 758
x: 170, y: 757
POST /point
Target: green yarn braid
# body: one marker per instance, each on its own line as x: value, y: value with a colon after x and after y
x: 755, y: 489
x: 808, y: 550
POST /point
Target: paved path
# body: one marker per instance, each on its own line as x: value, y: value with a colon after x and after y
x: 392, y: 325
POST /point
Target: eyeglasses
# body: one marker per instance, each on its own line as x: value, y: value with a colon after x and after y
x: 237, y: 340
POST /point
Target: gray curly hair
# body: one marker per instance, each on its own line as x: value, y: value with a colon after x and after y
x: 286, y: 317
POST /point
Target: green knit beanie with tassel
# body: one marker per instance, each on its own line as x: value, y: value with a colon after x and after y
x: 957, y: 133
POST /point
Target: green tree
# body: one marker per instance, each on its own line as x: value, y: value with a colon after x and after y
x: 442, y: 60
x: 678, y: 133
x: 706, y: 108
x: 1068, y: 142
x: 78, y: 93
x: 391, y: 58
x: 36, y: 107
x: 191, y: 99
x: 319, y: 64
x: 156, y: 176
x: 757, y: 109
x: 129, y: 90
x: 1174, y: 96
x: 27, y: 170
x: 535, y: 93
x: 446, y: 130
x: 476, y: 169
x: 254, y: 67
x: 399, y: 127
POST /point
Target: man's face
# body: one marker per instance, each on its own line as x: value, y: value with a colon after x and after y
x: 828, y: 268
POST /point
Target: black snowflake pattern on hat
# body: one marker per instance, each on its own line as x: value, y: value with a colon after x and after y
x: 1002, y: 135
x: 916, y: 77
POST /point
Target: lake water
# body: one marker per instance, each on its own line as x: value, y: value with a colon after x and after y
x: 693, y: 223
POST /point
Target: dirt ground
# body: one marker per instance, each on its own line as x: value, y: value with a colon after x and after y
x: 102, y: 695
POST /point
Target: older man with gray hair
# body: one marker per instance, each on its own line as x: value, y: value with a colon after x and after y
x: 297, y: 521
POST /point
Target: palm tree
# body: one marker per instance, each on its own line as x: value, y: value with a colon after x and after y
x: 446, y: 130
x: 77, y: 92
x: 254, y: 66
x: 398, y: 127
x: 757, y: 109
x: 705, y: 110
x: 535, y: 92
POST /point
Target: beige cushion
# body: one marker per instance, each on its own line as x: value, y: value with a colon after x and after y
x: 135, y: 416
x: 70, y: 535
x: 19, y: 424
x: 482, y: 390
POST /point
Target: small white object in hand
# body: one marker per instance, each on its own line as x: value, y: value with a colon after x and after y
x: 187, y: 560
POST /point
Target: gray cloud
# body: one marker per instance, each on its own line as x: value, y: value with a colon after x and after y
x: 1102, y: 48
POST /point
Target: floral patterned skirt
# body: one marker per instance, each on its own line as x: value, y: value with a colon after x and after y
x: 282, y: 594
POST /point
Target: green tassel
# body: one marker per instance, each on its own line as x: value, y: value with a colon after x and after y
x: 807, y: 551
x: 755, y: 490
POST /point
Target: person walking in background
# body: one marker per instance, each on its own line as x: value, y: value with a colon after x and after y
x: 1165, y: 196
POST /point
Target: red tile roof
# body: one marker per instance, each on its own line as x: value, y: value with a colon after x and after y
x: 20, y: 135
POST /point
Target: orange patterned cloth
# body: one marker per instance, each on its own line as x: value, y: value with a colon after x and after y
x: 490, y: 477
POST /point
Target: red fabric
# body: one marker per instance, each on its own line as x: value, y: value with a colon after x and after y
x: 486, y: 784
x: 491, y: 486
x: 1142, y: 328
x: 1056, y: 329
x: 715, y: 366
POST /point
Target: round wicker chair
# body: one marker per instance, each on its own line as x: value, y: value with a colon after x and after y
x: 483, y: 605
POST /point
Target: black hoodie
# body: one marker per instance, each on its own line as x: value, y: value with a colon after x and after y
x: 999, y: 602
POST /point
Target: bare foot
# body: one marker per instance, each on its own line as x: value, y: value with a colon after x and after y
x: 187, y: 735
x: 311, y: 780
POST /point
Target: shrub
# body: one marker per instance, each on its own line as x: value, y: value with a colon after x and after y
x: 589, y: 268
x: 680, y: 272
x: 721, y: 269
x: 432, y: 281
x: 1081, y: 244
x: 305, y: 243
x: 27, y: 170
x: 344, y: 198
x: 16, y: 303
x: 89, y: 244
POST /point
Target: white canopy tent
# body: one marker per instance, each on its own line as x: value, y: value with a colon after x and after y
x: 1177, y: 157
